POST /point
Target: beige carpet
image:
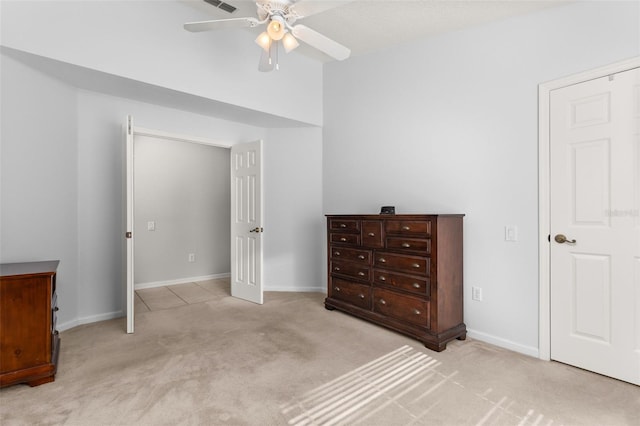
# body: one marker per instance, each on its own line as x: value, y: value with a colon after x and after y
x: 290, y: 361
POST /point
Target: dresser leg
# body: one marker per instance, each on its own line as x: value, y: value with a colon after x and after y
x: 437, y: 347
x: 329, y: 308
x: 463, y: 336
x: 41, y: 381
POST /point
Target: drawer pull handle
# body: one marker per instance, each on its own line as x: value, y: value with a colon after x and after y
x: 416, y: 285
x: 361, y: 273
x: 416, y: 265
x: 383, y: 302
x: 406, y: 228
x: 56, y: 309
x: 371, y: 234
x: 337, y: 253
x: 417, y: 311
x: 406, y: 245
x: 343, y: 239
x: 336, y: 288
x: 382, y: 260
x: 361, y: 296
x: 361, y: 257
x: 383, y: 278
x: 342, y: 225
x: 337, y: 268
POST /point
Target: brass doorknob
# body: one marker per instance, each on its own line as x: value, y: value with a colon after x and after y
x: 561, y: 239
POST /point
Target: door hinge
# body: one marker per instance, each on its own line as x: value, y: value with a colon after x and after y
x: 129, y: 125
x: 128, y: 234
x: 549, y: 237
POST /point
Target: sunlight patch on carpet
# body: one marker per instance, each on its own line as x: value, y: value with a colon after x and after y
x: 367, y: 389
x: 404, y: 387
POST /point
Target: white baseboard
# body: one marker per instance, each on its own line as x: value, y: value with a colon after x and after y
x: 91, y: 319
x: 140, y: 286
x: 321, y: 289
x: 504, y: 343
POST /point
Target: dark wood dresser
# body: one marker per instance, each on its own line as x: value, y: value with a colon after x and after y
x: 29, y: 341
x: 403, y: 272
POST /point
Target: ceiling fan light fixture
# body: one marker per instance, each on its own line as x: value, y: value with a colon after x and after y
x: 276, y: 28
x: 289, y: 42
x: 264, y: 41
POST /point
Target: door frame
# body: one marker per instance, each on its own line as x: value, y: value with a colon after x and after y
x: 131, y: 132
x: 544, y: 191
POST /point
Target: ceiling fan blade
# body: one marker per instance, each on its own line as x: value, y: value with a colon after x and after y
x: 320, y: 42
x: 265, y: 64
x: 218, y: 24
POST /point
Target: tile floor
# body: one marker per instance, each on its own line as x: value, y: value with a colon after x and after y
x: 154, y: 299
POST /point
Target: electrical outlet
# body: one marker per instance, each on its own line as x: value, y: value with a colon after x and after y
x: 192, y: 257
x: 476, y: 293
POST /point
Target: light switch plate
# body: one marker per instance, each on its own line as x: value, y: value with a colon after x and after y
x: 511, y: 233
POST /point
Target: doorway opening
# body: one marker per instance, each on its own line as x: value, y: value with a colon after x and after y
x: 182, y: 221
x: 245, y: 207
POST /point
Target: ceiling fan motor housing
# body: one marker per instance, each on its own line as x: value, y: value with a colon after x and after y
x: 267, y: 9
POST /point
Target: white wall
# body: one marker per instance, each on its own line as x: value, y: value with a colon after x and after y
x: 293, y: 238
x: 185, y: 190
x: 145, y: 41
x: 62, y: 188
x: 101, y: 187
x: 38, y: 205
x: 450, y: 125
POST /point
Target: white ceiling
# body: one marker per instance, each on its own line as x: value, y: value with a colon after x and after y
x: 368, y: 25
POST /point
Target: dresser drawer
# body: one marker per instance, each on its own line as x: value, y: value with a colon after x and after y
x: 353, y: 239
x: 420, y: 228
x: 337, y: 224
x: 418, y: 285
x: 372, y: 233
x: 354, y: 255
x: 406, y: 308
x: 354, y: 293
x: 422, y: 245
x: 350, y: 269
x: 402, y: 262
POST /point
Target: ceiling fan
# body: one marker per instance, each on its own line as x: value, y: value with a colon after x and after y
x: 279, y: 17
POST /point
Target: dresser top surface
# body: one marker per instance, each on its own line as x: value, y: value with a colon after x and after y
x: 28, y: 268
x: 396, y: 216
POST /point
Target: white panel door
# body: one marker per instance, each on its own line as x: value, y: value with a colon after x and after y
x: 246, y: 221
x: 130, y: 225
x: 595, y: 225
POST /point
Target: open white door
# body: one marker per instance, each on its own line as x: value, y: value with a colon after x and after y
x: 246, y: 221
x: 595, y: 225
x: 130, y: 218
